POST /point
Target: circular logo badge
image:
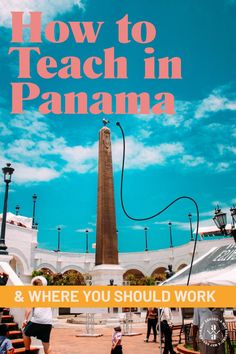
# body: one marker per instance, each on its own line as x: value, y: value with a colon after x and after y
x: 213, y: 332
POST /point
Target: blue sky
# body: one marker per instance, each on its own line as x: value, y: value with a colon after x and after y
x: 189, y: 153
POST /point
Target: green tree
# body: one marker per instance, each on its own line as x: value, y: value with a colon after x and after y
x: 70, y: 277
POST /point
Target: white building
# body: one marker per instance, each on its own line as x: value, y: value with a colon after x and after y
x: 26, y: 256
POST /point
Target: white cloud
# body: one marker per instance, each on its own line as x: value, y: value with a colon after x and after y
x: 192, y: 161
x: 144, y: 133
x: 218, y: 100
x: 83, y: 230
x: 32, y: 123
x: 4, y: 130
x: 175, y: 224
x: 38, y: 154
x: 207, y: 213
x: 136, y: 227
x: 27, y: 173
x: 185, y: 226
x: 215, y: 102
x: 38, y: 147
x: 172, y: 120
x: 138, y: 156
x: 50, y: 8
x: 24, y: 174
x: 226, y: 148
x: 33, y: 152
x: 81, y: 159
x: 222, y: 167
x: 92, y: 223
x: 207, y: 222
x: 141, y: 156
x: 182, y: 108
x: 183, y: 113
x: 145, y: 117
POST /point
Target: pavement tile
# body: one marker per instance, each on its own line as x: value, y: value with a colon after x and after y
x: 64, y: 341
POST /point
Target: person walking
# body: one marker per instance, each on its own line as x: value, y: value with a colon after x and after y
x: 40, y: 323
x: 116, y: 347
x: 166, y: 330
x: 151, y: 320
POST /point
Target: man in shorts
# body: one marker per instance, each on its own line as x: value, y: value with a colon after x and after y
x: 40, y: 323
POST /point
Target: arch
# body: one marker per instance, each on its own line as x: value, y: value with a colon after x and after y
x: 133, y: 272
x: 20, y: 258
x: 46, y: 271
x: 181, y: 266
x: 72, y: 267
x: 47, y: 266
x: 134, y: 266
x: 74, y: 276
x: 154, y: 266
x: 159, y: 273
x: 17, y: 265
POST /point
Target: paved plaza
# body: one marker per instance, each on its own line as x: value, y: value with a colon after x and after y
x: 64, y: 341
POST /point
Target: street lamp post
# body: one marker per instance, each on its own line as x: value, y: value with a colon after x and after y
x: 17, y: 209
x: 146, y: 238
x: 191, y: 227
x: 34, y: 197
x: 58, y: 239
x: 86, y: 239
x: 220, y: 219
x: 7, y: 172
x: 170, y: 229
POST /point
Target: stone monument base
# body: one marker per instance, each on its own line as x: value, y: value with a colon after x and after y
x: 104, y: 274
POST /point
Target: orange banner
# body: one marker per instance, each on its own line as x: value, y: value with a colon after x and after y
x: 118, y: 296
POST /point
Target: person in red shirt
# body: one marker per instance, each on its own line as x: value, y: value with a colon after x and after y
x: 151, y: 320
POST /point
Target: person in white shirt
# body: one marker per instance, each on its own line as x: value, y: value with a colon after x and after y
x: 166, y: 329
x: 116, y: 347
x: 40, y: 323
x: 166, y: 314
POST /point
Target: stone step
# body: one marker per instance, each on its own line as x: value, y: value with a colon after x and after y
x: 7, y: 318
x: 6, y: 311
x: 18, y: 343
x: 12, y: 326
x: 15, y: 334
x: 22, y: 350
